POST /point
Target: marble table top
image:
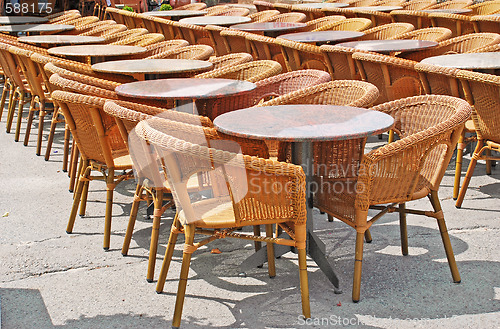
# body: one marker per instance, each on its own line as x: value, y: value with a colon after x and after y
x: 322, y: 36
x: 55, y: 39
x: 448, y: 11
x: 387, y: 46
x: 175, y: 13
x: 12, y: 20
x: 184, y: 88
x: 215, y: 20
x: 321, y: 5
x: 376, y: 8
x: 300, y: 123
x: 36, y: 28
x: 268, y: 26
x: 472, y: 61
x: 152, y: 66
x: 96, y: 50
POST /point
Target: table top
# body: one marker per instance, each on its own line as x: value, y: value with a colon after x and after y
x: 322, y: 36
x: 321, y: 5
x: 470, y: 61
x: 12, y: 20
x: 184, y: 88
x: 175, y: 13
x: 215, y: 20
x: 448, y: 11
x: 377, y: 8
x: 301, y: 123
x: 268, y: 26
x: 387, y: 46
x: 61, y: 39
x: 152, y: 66
x: 36, y: 28
x: 96, y: 50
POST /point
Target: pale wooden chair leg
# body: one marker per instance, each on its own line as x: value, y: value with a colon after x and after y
x: 256, y: 232
x: 445, y: 237
x: 358, y: 262
x: 19, y: 116
x: 458, y: 164
x: 270, y: 252
x: 77, y: 197
x: 7, y: 87
x: 403, y: 229
x: 168, y: 255
x: 75, y: 168
x: 391, y: 136
x: 11, y: 110
x: 110, y: 186
x: 155, y: 232
x: 83, y: 202
x: 488, y: 162
x: 67, y: 134
x: 52, y: 131
x: 368, y: 236
x: 181, y: 290
x: 300, y: 232
x: 131, y: 220
x: 31, y: 113
x: 40, y: 128
x: 469, y: 173
x: 72, y: 157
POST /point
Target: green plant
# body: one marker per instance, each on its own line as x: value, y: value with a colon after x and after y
x: 165, y: 6
x: 128, y: 8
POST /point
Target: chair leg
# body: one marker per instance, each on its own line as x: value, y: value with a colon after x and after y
x: 11, y: 109
x: 41, y: 118
x: 67, y: 134
x: 83, y: 202
x: 75, y: 168
x: 31, y: 113
x: 270, y: 252
x: 488, y: 162
x: 77, y: 197
x: 403, y: 229
x: 458, y: 164
x: 155, y: 231
x: 19, y: 116
x: 131, y: 220
x: 358, y: 261
x: 469, y: 173
x: 174, y: 232
x: 330, y: 218
x: 256, y: 232
x: 300, y: 231
x: 445, y: 237
x: 52, y: 132
x: 110, y: 186
x: 181, y: 290
x: 7, y: 86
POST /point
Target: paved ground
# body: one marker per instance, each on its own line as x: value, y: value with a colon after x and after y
x: 51, y: 279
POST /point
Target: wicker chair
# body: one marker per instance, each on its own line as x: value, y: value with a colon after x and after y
x: 451, y: 4
x: 350, y: 24
x: 252, y: 71
x: 217, y: 41
x: 339, y: 61
x: 464, y: 44
x: 408, y: 169
x: 67, y: 19
x: 164, y: 46
x: 362, y: 3
x: 419, y: 19
x: 300, y: 55
x: 141, y: 40
x: 458, y: 24
x: 55, y: 18
x: 100, y: 30
x: 86, y: 27
x: 386, y: 31
x: 485, y: 8
x: 235, y: 41
x: 417, y: 4
x: 231, y: 11
x: 117, y: 37
x: 390, y: 3
x: 82, y: 21
x: 263, y: 47
x: 436, y: 34
x: 287, y: 17
x: 377, y: 17
x: 163, y: 135
x: 229, y: 60
x: 311, y: 13
x: 482, y: 92
x: 193, y: 6
x: 167, y: 27
x: 333, y: 11
x: 114, y: 14
x: 486, y: 23
x: 199, y: 52
x: 216, y: 9
x: 101, y: 147
x: 283, y: 8
x: 131, y: 20
x: 261, y: 16
x: 194, y: 34
x: 320, y: 23
x: 263, y: 5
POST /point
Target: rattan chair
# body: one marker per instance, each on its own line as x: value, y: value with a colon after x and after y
x: 252, y: 71
x: 86, y: 27
x: 235, y: 41
x: 419, y: 19
x: 389, y: 2
x: 458, y: 24
x: 55, y: 18
x: 114, y: 14
x: 67, y: 19
x: 482, y: 92
x: 117, y: 37
x: 451, y: 4
x: 283, y: 8
x: 229, y: 60
x: 194, y: 34
x: 163, y: 46
x: 333, y: 11
x: 320, y: 23
x: 261, y: 16
x: 436, y: 34
x: 287, y: 17
x: 216, y: 9
x: 386, y: 31
x: 377, y: 17
x: 263, y: 5
x: 101, y: 147
x: 339, y: 62
x: 232, y: 11
x: 311, y: 13
x: 263, y: 47
x: 240, y: 209
x: 167, y: 28
x: 486, y: 23
x: 350, y: 24
x: 217, y: 41
x: 193, y: 6
x: 485, y: 8
x: 199, y: 52
x: 300, y: 55
x: 141, y: 40
x: 408, y: 169
x: 101, y: 30
x: 417, y: 4
x: 362, y: 3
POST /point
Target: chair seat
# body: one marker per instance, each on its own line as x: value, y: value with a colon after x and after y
x: 214, y: 213
x: 123, y: 162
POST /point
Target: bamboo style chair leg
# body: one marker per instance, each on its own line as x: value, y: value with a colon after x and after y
x: 77, y: 196
x: 155, y: 232
x: 110, y: 186
x: 358, y: 262
x: 181, y: 290
x: 488, y: 162
x: 174, y: 232
x: 19, y: 116
x: 270, y: 252
x: 73, y: 174
x: 67, y: 134
x: 41, y: 118
x: 8, y: 88
x: 304, y: 283
x: 83, y: 201
x: 458, y: 165
x: 31, y: 113
x: 132, y: 218
x: 403, y: 229
x: 444, y: 236
x: 469, y: 173
x: 72, y: 158
x: 52, y: 131
x: 11, y: 109
x: 256, y: 232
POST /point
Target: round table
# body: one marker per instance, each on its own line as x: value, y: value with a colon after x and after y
x: 35, y: 28
x: 321, y: 37
x: 97, y: 53
x: 448, y: 11
x: 321, y: 5
x: 12, y: 20
x: 271, y: 29
x: 215, y: 20
x: 57, y: 40
x: 376, y: 8
x: 175, y: 15
x: 150, y: 69
x: 302, y: 125
x: 472, y: 61
x: 389, y: 46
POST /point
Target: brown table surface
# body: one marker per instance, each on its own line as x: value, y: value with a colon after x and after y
x: 152, y: 66
x: 448, y: 11
x: 36, y: 28
x: 96, y: 50
x: 376, y: 8
x: 12, y: 20
x: 57, y: 39
x: 472, y: 61
x: 322, y: 36
x: 388, y: 46
x: 215, y: 20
